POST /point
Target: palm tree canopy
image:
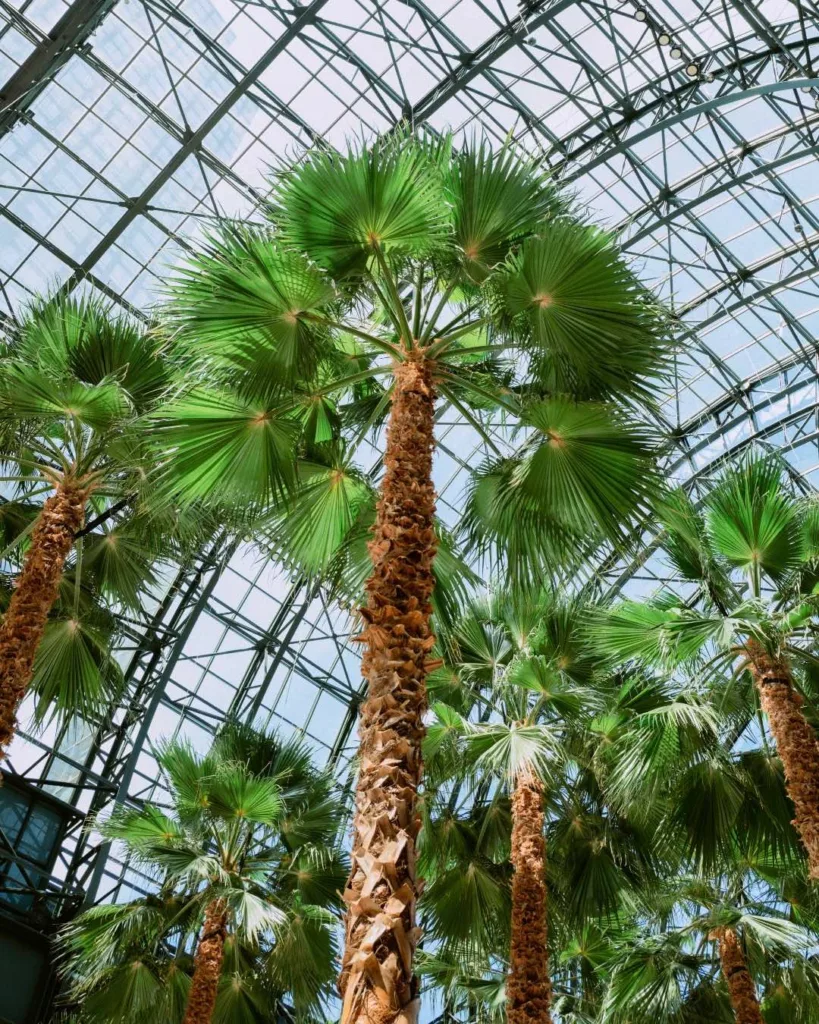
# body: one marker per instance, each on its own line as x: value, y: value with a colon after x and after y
x: 252, y: 823
x: 469, y: 259
x: 750, y: 552
x: 74, y: 379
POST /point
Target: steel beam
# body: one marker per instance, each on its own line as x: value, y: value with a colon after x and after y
x: 70, y: 33
x: 195, y: 139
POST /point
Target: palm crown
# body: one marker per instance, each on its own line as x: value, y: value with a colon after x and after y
x: 751, y: 555
x: 250, y: 841
x: 75, y: 382
x: 713, y: 949
x: 406, y: 250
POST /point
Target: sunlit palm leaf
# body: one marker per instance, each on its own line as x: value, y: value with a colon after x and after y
x: 74, y: 670
x: 312, y: 527
x: 235, y: 795
x: 497, y: 199
x: 588, y: 467
x: 217, y: 446
x: 509, y: 749
x: 302, y: 961
x: 752, y: 521
x: 340, y: 208
x: 122, y: 564
x: 243, y: 300
x: 653, y: 634
x: 28, y: 393
x: 576, y: 301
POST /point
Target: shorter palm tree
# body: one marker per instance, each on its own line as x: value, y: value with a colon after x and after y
x: 752, y: 556
x: 246, y: 860
x: 521, y: 659
x: 74, y: 381
x: 709, y: 945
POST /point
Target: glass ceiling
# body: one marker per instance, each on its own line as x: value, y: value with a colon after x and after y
x: 126, y: 126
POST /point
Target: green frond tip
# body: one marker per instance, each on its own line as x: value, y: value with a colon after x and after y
x: 30, y: 392
x: 311, y: 528
x: 242, y: 300
x: 219, y: 447
x: 341, y: 209
x: 85, y: 339
x: 586, y: 473
x: 74, y: 670
x: 574, y: 304
x: 753, y: 521
x: 498, y: 198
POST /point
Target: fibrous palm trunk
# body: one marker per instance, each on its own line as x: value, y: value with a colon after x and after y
x: 35, y: 592
x: 740, y: 983
x: 528, y: 987
x: 377, y: 981
x: 207, y: 968
x: 795, y: 743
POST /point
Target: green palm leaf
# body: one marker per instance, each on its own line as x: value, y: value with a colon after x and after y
x: 148, y: 825
x: 311, y: 529
x: 752, y: 521
x: 502, y: 516
x: 243, y: 300
x: 652, y: 634
x: 123, y: 565
x: 340, y: 209
x: 589, y: 467
x: 509, y: 749
x: 580, y: 311
x: 220, y: 447
x: 82, y: 337
x: 74, y: 669
x: 240, y: 1000
x: 253, y: 915
x: 497, y: 199
x: 302, y: 961
x: 26, y: 392
x: 233, y: 794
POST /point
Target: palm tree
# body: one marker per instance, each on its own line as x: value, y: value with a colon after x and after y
x: 751, y: 553
x: 73, y: 383
x: 523, y: 750
x: 453, y: 277
x: 246, y: 859
x: 525, y: 675
x: 734, y: 927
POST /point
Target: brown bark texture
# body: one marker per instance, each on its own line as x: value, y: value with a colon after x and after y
x: 740, y: 983
x: 528, y: 987
x: 377, y: 982
x: 207, y: 968
x: 795, y: 743
x: 35, y: 591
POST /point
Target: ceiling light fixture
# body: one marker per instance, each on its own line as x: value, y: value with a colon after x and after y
x: 692, y: 70
x: 676, y: 52
x: 664, y: 39
x: 640, y: 14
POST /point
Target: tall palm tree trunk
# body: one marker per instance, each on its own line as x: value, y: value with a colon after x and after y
x: 207, y: 970
x: 35, y: 592
x: 740, y: 983
x: 528, y: 987
x: 795, y: 743
x: 377, y: 981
